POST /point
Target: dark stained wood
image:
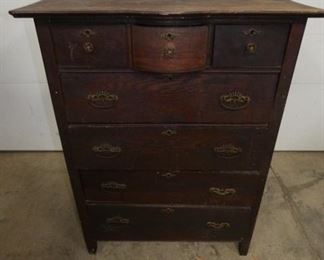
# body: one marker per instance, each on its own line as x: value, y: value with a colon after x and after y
x: 168, y: 143
x: 293, y: 46
x: 48, y: 54
x: 150, y: 147
x: 167, y: 7
x: 170, y: 49
x: 155, y: 98
x: 169, y: 222
x: 176, y: 187
x: 91, y: 45
x: 250, y: 45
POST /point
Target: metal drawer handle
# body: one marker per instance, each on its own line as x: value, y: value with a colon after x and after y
x: 102, y: 99
x: 88, y: 47
x: 217, y: 225
x: 222, y: 191
x: 169, y: 132
x: 234, y: 101
x: 114, y: 223
x: 106, y: 150
x: 168, y: 36
x: 227, y: 150
x: 169, y: 52
x: 251, y: 48
x: 118, y: 220
x: 112, y: 185
x: 167, y: 211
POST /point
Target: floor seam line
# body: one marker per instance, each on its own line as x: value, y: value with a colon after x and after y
x: 294, y: 211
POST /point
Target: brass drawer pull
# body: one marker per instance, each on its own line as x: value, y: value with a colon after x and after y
x: 251, y: 48
x: 167, y: 211
x: 88, y: 47
x: 222, y: 191
x: 169, y: 132
x: 217, y: 225
x: 106, y: 150
x: 227, y: 150
x: 115, y: 223
x: 112, y: 185
x: 168, y: 36
x: 102, y: 99
x: 118, y: 220
x: 169, y: 52
x: 234, y: 101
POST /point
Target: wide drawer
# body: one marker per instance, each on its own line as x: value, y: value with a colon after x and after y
x: 170, y: 49
x: 169, y: 222
x: 166, y: 147
x: 91, y: 45
x: 149, y: 98
x: 171, y: 187
x: 250, y: 45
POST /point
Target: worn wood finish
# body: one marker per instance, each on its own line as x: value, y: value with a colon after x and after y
x: 154, y: 150
x: 168, y: 222
x: 91, y: 45
x: 167, y: 7
x: 250, y: 45
x: 292, y: 50
x: 170, y: 49
x: 155, y: 98
x: 48, y: 53
x: 173, y: 187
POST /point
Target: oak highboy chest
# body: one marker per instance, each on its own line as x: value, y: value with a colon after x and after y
x: 168, y: 111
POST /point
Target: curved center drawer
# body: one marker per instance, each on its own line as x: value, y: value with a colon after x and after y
x: 153, y: 98
x: 170, y: 49
x: 166, y: 147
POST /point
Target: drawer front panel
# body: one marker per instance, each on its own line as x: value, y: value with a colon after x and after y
x: 166, y: 147
x: 250, y: 45
x: 91, y: 46
x: 149, y: 98
x: 170, y: 49
x: 169, y: 222
x: 163, y: 187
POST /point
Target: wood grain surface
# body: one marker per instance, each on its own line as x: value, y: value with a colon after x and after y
x: 169, y: 222
x: 237, y: 188
x: 166, y: 7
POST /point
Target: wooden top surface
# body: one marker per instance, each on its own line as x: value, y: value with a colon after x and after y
x: 167, y: 7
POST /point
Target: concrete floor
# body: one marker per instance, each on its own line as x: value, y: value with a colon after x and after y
x: 38, y: 218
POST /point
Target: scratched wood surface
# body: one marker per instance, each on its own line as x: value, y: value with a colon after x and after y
x: 167, y: 7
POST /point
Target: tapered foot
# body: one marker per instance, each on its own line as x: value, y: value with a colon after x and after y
x: 92, y: 246
x: 244, y: 246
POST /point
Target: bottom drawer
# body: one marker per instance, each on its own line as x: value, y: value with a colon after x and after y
x: 162, y: 222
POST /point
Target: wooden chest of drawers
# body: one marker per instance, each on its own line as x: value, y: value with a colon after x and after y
x: 168, y: 112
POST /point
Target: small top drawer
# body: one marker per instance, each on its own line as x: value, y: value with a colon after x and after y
x: 91, y: 46
x: 170, y: 49
x: 250, y: 45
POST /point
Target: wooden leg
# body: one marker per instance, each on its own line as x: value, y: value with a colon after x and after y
x: 244, y: 246
x: 91, y: 245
